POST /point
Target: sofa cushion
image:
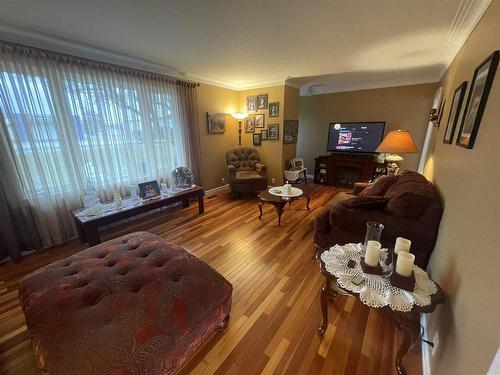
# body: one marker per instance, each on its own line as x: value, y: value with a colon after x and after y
x: 408, y: 204
x: 366, y: 201
x: 247, y: 176
x: 380, y: 186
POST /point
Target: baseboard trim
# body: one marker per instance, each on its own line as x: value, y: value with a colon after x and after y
x: 218, y: 189
x: 426, y: 349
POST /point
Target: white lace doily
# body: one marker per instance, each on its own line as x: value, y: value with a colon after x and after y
x: 376, y: 291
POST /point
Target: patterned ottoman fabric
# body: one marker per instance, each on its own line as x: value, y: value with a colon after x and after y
x: 133, y: 305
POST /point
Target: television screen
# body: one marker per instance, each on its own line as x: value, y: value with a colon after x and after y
x: 361, y: 137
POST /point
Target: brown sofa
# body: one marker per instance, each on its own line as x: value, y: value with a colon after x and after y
x: 133, y: 305
x: 246, y: 173
x: 407, y: 205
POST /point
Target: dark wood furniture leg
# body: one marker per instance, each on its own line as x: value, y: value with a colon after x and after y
x: 280, y: 207
x: 201, y: 204
x: 224, y: 323
x: 326, y: 294
x: 91, y: 234
x: 410, y: 325
x: 260, y: 209
x: 305, y: 177
x: 185, y: 203
x: 81, y: 232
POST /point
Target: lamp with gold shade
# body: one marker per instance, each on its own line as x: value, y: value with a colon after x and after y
x: 396, y: 142
x: 240, y: 117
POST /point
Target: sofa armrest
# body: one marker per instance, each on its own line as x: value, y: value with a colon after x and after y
x: 359, y: 187
x: 261, y: 169
x: 232, y: 172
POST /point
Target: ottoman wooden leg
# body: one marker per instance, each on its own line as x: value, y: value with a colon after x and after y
x: 222, y: 325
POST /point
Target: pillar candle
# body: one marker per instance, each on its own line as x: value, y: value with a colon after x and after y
x: 402, y: 244
x: 404, y: 265
x: 372, y: 254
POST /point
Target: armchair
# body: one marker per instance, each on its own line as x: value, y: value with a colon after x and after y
x: 246, y: 172
x: 407, y: 205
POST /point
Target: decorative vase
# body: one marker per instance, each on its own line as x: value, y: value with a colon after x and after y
x: 373, y: 233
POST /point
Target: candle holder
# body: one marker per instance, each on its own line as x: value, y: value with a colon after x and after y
x: 373, y: 233
x: 370, y: 269
x: 403, y: 282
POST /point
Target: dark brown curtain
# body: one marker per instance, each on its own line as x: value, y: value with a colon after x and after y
x: 188, y: 111
x: 18, y: 230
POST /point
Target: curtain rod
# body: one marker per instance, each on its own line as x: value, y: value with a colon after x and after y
x: 45, y: 54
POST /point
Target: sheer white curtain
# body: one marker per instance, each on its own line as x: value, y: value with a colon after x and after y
x: 70, y: 122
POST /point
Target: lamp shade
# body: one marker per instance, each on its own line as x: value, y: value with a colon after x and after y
x: 240, y: 116
x: 398, y: 142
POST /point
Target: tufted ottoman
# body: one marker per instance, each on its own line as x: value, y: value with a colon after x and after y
x: 133, y: 305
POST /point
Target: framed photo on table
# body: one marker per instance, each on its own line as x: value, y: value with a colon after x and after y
x: 149, y: 189
x: 454, y: 116
x: 298, y: 164
x: 476, y: 101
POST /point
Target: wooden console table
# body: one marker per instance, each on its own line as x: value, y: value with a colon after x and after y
x: 88, y: 225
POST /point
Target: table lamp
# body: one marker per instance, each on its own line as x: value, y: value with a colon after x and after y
x: 240, y: 117
x: 396, y: 142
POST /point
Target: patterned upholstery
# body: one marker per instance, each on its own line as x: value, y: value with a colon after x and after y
x: 133, y: 305
x: 246, y: 172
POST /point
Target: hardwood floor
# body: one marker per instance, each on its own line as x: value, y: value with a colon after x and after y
x: 276, y: 307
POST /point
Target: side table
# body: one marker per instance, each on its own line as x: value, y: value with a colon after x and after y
x: 407, y: 322
x: 279, y: 203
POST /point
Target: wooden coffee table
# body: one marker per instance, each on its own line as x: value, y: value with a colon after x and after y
x: 279, y: 203
x: 88, y: 225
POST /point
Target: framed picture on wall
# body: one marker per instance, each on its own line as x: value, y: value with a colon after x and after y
x: 257, y: 140
x: 453, y: 117
x: 274, y: 109
x: 262, y: 101
x: 441, y: 110
x: 290, y: 131
x: 216, y: 123
x: 263, y: 135
x: 251, y: 103
x: 274, y: 131
x: 260, y: 120
x: 476, y: 101
x: 250, y: 124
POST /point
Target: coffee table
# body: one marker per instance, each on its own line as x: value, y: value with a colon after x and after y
x: 88, y: 225
x: 279, y: 203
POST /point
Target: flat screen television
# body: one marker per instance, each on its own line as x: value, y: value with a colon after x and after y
x: 361, y: 137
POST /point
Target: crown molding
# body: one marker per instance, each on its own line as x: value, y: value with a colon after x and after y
x: 467, y: 16
x: 320, y: 89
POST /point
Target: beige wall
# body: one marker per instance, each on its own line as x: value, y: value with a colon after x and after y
x: 214, y: 146
x: 466, y: 258
x: 404, y: 107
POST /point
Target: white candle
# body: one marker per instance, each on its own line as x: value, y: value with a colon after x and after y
x: 402, y: 244
x: 404, y: 265
x: 372, y: 254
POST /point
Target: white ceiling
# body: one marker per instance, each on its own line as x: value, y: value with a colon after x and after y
x: 318, y: 45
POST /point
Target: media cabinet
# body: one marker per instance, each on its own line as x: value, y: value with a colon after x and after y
x: 343, y: 170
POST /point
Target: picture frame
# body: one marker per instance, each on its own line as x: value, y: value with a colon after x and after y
x: 149, y: 189
x: 250, y: 124
x: 260, y: 121
x: 441, y: 110
x: 262, y: 101
x: 480, y: 87
x: 297, y: 164
x: 290, y: 131
x: 454, y: 115
x: 251, y: 103
x: 274, y: 109
x: 257, y: 140
x: 216, y: 123
x: 264, y: 135
x: 273, y: 131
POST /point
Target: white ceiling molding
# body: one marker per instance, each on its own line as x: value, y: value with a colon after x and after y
x: 320, y: 89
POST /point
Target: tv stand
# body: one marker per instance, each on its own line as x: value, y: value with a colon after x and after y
x: 343, y: 170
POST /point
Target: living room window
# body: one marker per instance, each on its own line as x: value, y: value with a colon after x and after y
x: 67, y: 121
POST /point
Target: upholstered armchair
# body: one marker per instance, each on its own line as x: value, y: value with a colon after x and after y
x: 246, y: 173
